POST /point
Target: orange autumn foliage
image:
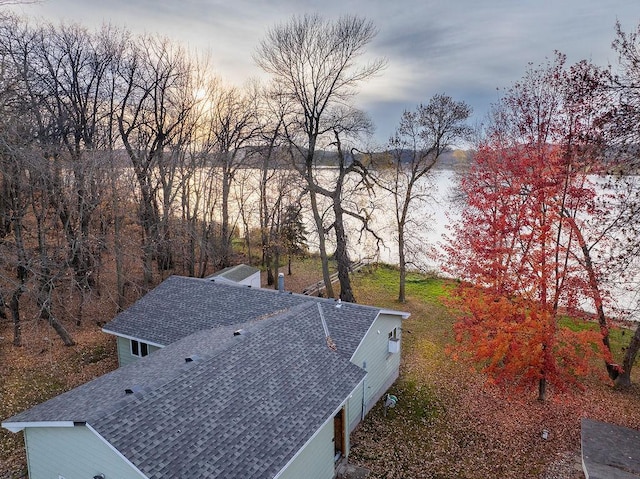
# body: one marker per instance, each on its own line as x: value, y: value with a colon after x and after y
x: 516, y: 342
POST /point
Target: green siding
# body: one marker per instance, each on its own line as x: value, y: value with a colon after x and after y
x: 354, y: 414
x: 72, y: 453
x: 315, y: 460
x: 382, y: 367
x: 124, y: 351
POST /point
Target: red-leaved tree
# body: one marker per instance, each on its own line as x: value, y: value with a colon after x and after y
x: 519, y: 246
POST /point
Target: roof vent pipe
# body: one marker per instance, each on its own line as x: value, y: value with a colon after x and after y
x: 281, y: 282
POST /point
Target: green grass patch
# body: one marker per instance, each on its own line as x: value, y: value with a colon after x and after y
x: 430, y: 289
x: 418, y: 400
x: 618, y: 336
x: 576, y: 325
x: 382, y: 281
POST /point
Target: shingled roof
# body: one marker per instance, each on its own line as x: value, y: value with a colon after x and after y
x: 214, y: 416
x: 236, y: 273
x: 187, y: 305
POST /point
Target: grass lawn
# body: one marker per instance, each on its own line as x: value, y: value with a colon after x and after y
x: 450, y: 424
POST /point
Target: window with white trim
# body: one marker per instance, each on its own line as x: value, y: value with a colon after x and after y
x: 139, y: 349
x: 394, y: 341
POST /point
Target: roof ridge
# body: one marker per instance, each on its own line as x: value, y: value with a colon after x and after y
x: 315, y: 299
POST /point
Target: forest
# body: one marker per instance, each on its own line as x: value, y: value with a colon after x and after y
x: 129, y: 150
x: 124, y: 158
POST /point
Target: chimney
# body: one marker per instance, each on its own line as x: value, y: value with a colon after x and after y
x: 281, y: 282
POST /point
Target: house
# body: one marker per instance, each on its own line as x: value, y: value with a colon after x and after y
x: 220, y: 380
x: 241, y: 274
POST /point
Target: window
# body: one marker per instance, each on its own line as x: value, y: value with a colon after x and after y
x: 138, y: 348
x: 394, y: 341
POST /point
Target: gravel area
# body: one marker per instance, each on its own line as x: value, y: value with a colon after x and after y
x: 566, y: 466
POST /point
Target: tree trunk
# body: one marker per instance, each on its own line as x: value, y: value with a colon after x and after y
x: 15, y: 313
x: 118, y: 252
x: 203, y: 259
x: 342, y: 257
x: 81, y: 304
x: 612, y: 369
x: 191, y: 254
x: 276, y: 266
x: 164, y: 247
x: 148, y: 247
x: 22, y: 272
x: 271, y: 277
x: 225, y: 234
x: 44, y: 304
x: 624, y: 378
x: 248, y: 240
x: 3, y: 306
x: 60, y: 330
x: 147, y: 258
x: 164, y: 252
x: 149, y: 219
x: 75, y: 226
x: 322, y: 243
x: 46, y: 285
x: 5, y: 214
x: 403, y: 267
x: 264, y: 222
x: 542, y: 389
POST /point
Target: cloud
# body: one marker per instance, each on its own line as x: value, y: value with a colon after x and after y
x: 465, y: 48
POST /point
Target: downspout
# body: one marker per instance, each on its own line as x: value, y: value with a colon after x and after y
x: 364, y: 390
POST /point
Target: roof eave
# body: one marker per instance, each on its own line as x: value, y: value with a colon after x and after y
x: 393, y: 312
x: 18, y: 426
x: 134, y: 338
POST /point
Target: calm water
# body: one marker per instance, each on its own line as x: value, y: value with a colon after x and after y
x: 430, y: 224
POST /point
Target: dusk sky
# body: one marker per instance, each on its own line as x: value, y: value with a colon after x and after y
x: 464, y: 48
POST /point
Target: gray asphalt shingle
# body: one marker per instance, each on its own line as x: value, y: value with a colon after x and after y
x: 222, y: 417
x: 247, y: 403
x: 187, y: 305
x: 236, y: 273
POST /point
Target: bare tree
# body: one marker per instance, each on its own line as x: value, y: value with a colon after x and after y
x: 315, y: 62
x: 419, y: 141
x: 30, y: 134
x: 623, y: 136
x: 276, y: 180
x: 349, y: 124
x: 72, y: 78
x: 14, y: 177
x: 154, y: 100
x: 234, y: 125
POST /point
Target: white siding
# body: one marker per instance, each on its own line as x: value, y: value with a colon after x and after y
x: 124, y: 351
x: 253, y: 280
x: 315, y: 461
x: 382, y: 366
x: 72, y: 453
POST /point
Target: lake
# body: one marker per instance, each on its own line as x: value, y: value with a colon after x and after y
x: 430, y: 224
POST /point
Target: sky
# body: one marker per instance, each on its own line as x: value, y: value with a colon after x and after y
x: 467, y: 49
